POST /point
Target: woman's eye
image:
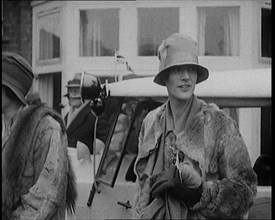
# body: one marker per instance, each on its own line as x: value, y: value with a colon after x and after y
x: 190, y: 69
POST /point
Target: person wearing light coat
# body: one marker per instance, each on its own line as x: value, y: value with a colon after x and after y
x: 37, y: 178
x: 192, y: 161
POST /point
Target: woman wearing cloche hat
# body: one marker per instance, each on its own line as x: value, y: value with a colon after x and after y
x: 37, y: 179
x: 192, y: 161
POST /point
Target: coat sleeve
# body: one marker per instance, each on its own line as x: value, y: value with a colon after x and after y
x: 48, y: 194
x: 144, y: 206
x: 233, y: 193
x: 142, y: 209
x: 138, y: 188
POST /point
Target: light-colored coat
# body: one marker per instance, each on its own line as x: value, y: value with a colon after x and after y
x: 214, y: 141
x: 37, y: 180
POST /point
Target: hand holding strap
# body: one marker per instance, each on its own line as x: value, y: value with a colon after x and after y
x: 170, y: 181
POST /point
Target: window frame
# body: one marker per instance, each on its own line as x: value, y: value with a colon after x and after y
x: 54, y: 10
x: 264, y: 5
x: 100, y: 170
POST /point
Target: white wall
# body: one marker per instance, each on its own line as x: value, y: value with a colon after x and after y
x: 250, y: 128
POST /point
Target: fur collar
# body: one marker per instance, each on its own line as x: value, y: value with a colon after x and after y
x: 193, y: 135
x: 16, y: 150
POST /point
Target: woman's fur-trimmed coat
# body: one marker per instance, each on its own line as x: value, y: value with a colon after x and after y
x: 37, y: 179
x: 213, y: 140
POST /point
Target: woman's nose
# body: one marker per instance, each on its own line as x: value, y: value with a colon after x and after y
x: 184, y: 74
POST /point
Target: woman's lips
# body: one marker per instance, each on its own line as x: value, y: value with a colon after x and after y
x: 184, y: 87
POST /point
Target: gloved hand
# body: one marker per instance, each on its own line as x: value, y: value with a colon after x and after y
x: 189, y: 174
x: 170, y: 180
x: 167, y: 179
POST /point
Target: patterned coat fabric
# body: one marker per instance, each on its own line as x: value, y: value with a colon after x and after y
x: 37, y: 179
x: 213, y: 140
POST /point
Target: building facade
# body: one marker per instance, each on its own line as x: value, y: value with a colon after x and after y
x: 17, y: 27
x: 69, y: 37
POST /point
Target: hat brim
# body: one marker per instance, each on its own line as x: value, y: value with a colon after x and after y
x: 15, y: 90
x: 202, y: 73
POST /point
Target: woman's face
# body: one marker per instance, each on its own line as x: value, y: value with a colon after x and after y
x: 181, y: 82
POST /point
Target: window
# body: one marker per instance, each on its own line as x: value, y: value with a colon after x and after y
x: 121, y: 119
x: 99, y: 32
x: 50, y: 89
x: 49, y: 35
x: 126, y: 118
x: 266, y: 129
x: 155, y: 25
x: 266, y: 33
x: 219, y: 30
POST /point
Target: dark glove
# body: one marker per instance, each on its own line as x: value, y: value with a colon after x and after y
x: 189, y: 196
x: 166, y: 180
x: 170, y: 180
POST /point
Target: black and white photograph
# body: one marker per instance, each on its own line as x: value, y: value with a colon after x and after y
x: 138, y: 109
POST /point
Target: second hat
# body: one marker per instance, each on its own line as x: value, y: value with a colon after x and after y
x: 17, y: 74
x: 177, y: 50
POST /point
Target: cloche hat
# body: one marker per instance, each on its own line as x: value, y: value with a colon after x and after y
x: 177, y: 50
x: 17, y: 74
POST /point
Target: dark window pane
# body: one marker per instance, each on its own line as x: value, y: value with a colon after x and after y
x: 49, y: 36
x: 266, y: 32
x: 219, y: 30
x: 99, y: 32
x: 155, y: 25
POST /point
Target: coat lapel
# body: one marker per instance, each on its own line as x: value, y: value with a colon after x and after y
x: 79, y: 119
